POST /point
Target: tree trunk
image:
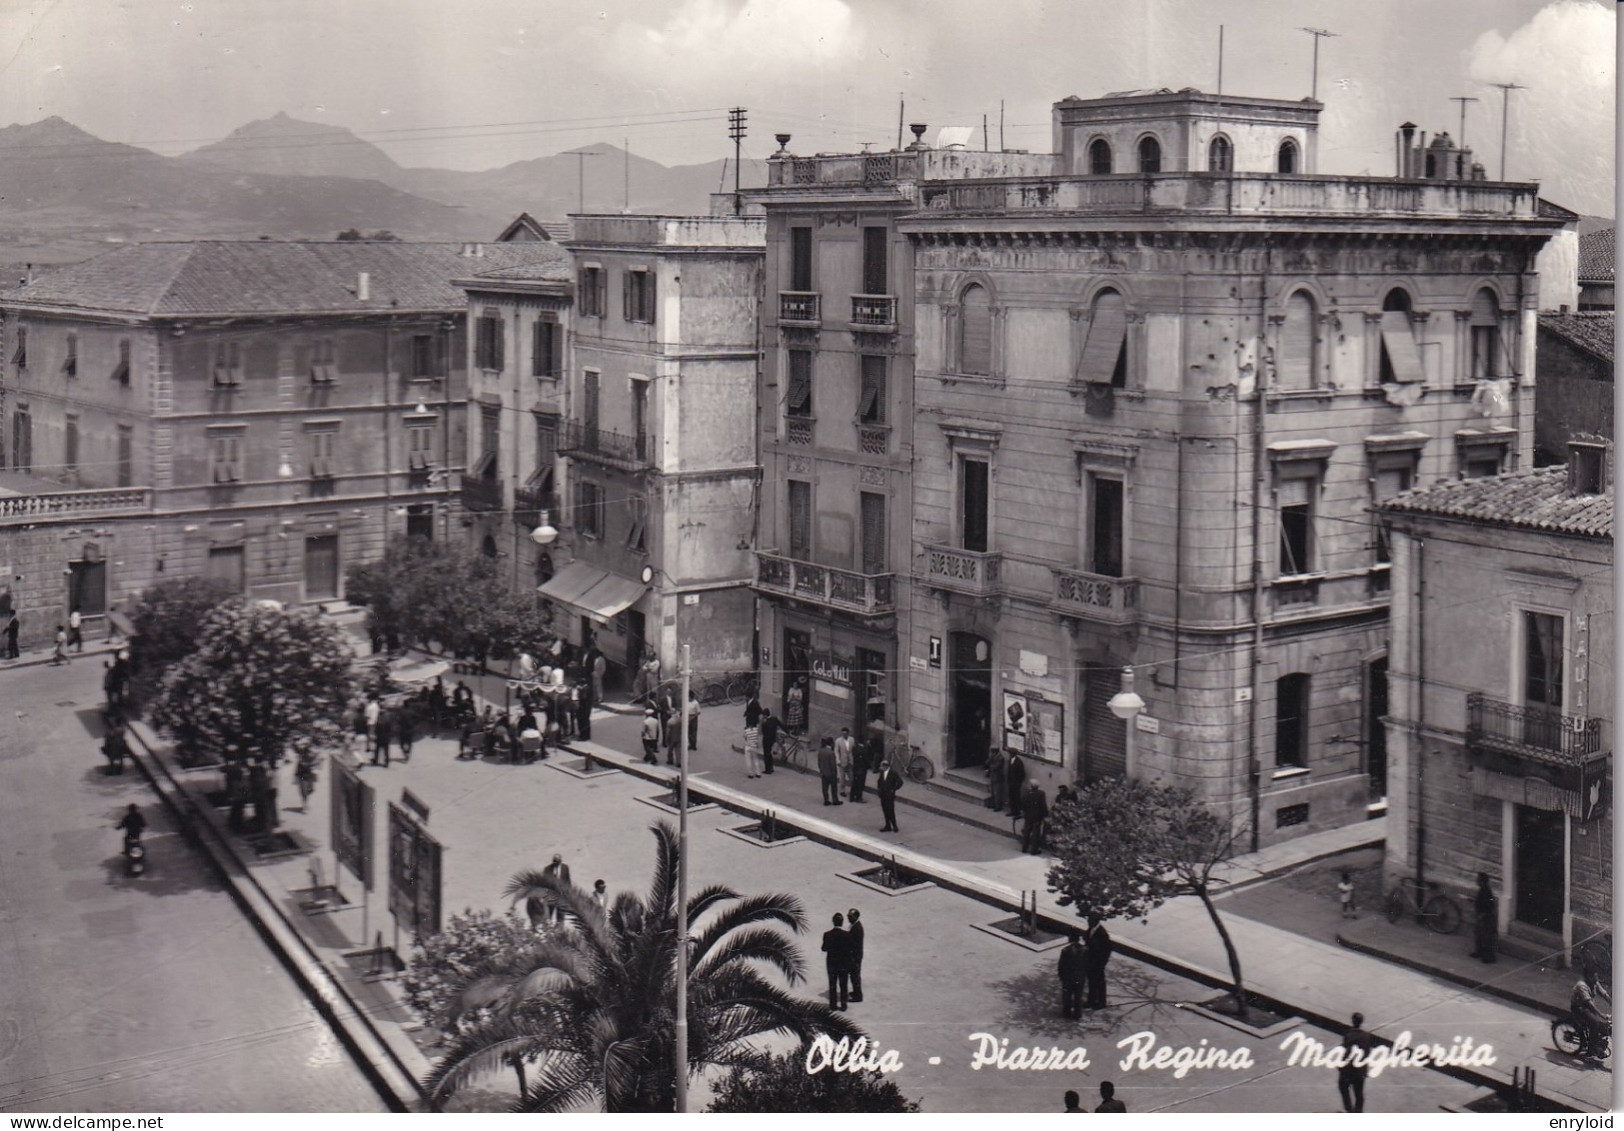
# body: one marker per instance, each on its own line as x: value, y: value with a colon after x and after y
x: 1239, y: 989
x: 518, y: 1066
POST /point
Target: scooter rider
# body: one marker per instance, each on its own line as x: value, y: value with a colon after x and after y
x: 133, y: 824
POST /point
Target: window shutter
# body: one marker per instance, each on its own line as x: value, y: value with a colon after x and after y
x: 871, y: 398
x: 498, y: 340
x: 873, y: 515
x: 799, y: 401
x: 1485, y: 312
x: 650, y: 285
x: 628, y: 310
x: 1294, y: 367
x: 975, y: 332
x: 1105, y: 737
x: 800, y: 519
x: 1107, y: 335
x: 555, y: 348
x: 1399, y: 344
x: 540, y: 350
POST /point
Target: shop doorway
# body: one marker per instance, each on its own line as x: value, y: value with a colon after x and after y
x: 1375, y: 729
x: 970, y: 699
x: 1104, y: 737
x: 636, y: 641
x: 1538, y: 851
x: 797, y: 684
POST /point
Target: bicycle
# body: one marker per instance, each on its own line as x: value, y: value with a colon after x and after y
x: 918, y: 766
x: 1436, y: 910
x: 742, y: 687
x: 1566, y: 1033
x: 790, y: 750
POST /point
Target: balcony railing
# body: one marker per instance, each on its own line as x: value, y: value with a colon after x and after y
x: 481, y: 494
x: 963, y: 571
x: 874, y: 439
x: 73, y: 504
x: 798, y: 429
x: 529, y: 502
x: 603, y: 446
x: 1533, y: 732
x: 802, y: 307
x: 868, y: 593
x: 1093, y: 595
x: 874, y: 312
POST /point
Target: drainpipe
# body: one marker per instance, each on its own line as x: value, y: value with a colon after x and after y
x: 388, y: 411
x: 1418, y: 548
x: 1516, y: 376
x: 1254, y: 771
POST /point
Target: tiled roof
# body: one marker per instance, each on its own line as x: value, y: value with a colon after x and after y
x: 1596, y: 255
x: 1591, y: 330
x: 1536, y: 500
x: 550, y: 271
x: 265, y: 277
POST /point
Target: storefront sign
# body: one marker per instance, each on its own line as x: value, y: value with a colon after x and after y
x: 1033, y: 726
x: 835, y: 669
x: 935, y: 651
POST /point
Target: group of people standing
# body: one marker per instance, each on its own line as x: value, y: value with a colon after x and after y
x: 843, y: 959
x: 1082, y: 969
x: 663, y: 726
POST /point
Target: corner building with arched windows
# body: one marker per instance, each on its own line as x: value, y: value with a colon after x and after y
x: 1154, y: 383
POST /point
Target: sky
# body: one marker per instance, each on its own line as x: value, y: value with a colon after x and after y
x: 474, y: 84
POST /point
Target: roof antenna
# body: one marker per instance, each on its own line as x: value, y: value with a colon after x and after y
x: 1318, y: 33
x: 1505, y: 116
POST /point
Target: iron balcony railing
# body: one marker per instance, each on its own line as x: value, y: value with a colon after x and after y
x: 481, y: 494
x: 805, y: 307
x: 601, y: 445
x: 1532, y: 732
x: 1093, y: 595
x: 963, y: 571
x: 877, y: 312
x: 868, y: 593
x: 529, y: 502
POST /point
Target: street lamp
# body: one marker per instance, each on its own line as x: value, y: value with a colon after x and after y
x: 1126, y: 705
x: 545, y: 534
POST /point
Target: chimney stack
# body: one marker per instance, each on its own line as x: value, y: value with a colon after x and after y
x: 363, y: 287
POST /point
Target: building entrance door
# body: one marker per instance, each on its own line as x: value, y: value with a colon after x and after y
x: 1538, y: 852
x: 970, y: 699
x: 1103, y: 736
x: 636, y: 641
x: 794, y: 695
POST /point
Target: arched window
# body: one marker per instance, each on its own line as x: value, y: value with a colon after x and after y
x: 975, y: 331
x: 1295, y: 365
x: 1396, y: 299
x: 1099, y: 158
x: 1286, y: 159
x: 1400, y: 358
x: 1104, y: 359
x: 1486, y: 360
x: 1150, y: 155
x: 1220, y: 157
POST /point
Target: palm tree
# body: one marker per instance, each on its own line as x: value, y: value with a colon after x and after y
x: 593, y: 1009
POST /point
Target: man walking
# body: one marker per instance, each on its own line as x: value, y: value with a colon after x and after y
x: 651, y: 736
x: 560, y: 874
x: 1485, y: 921
x: 693, y: 722
x: 1073, y: 971
x: 383, y: 734
x: 406, y: 730
x: 770, y: 727
x: 1035, y: 811
x: 854, y: 935
x: 861, y: 761
x: 76, y: 633
x: 828, y: 771
x: 837, y: 961
x: 997, y: 779
x: 843, y: 758
x: 1108, y: 1100
x: 1350, y: 1078
x: 673, y: 739
x: 1014, y: 783
x: 1099, y: 953
x: 887, y: 784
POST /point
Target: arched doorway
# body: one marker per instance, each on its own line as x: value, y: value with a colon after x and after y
x: 970, y: 699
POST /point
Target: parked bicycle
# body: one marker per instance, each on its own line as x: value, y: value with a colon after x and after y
x: 1436, y: 910
x: 917, y: 764
x: 790, y: 749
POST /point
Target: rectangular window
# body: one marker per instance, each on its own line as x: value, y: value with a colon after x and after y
x: 1104, y: 359
x: 1389, y: 481
x: 1291, y: 720
x: 547, y: 349
x: 1485, y: 351
x: 321, y: 567
x: 872, y: 507
x: 225, y: 456
x: 22, y: 440
x: 226, y: 564
x: 1587, y: 469
x: 323, y: 361
x: 323, y: 451
x: 541, y: 480
x: 19, y: 356
x: 639, y: 295
x: 973, y: 484
x: 1105, y: 526
x: 425, y: 357
x: 227, y: 364
x: 800, y: 259
x: 121, y: 370
x: 70, y: 363
x: 636, y: 523
x: 798, y: 402
x: 1295, y: 506
x: 490, y: 441
x: 1481, y: 461
x: 590, y: 403
x: 800, y: 519
x: 126, y: 455
x: 1542, y: 661
x: 488, y: 343
x: 70, y: 443
x: 640, y: 417
x: 420, y: 447
x: 871, y: 394
x: 589, y: 509
x: 590, y: 291
x: 875, y: 280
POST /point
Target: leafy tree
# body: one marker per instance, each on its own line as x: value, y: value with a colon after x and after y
x: 165, y: 621
x: 782, y: 1083
x: 593, y: 1008
x: 1125, y: 847
x: 261, y: 679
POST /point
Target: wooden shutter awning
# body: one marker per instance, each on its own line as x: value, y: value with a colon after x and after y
x: 1399, y: 343
x: 1107, y: 331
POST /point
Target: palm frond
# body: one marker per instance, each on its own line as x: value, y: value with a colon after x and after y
x: 758, y: 944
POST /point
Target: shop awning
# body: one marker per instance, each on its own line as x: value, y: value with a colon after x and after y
x: 596, y: 592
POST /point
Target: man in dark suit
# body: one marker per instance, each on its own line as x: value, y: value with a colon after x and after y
x: 1015, y: 783
x: 837, y: 960
x: 1035, y: 812
x: 861, y: 760
x: 854, y: 937
x: 1350, y: 1078
x: 770, y: 727
x: 1099, y: 953
x: 1073, y: 970
x: 887, y: 785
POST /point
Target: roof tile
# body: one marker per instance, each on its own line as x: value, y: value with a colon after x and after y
x: 1536, y: 500
x: 1591, y: 330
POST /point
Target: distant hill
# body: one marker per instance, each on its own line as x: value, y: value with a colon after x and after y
x: 288, y: 147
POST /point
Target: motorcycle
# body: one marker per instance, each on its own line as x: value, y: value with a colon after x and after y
x: 135, y: 857
x: 1569, y: 1037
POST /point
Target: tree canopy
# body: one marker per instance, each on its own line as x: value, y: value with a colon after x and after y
x: 261, y: 678
x: 165, y: 620
x: 782, y: 1083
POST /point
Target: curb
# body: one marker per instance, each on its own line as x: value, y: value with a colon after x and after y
x: 1525, y: 1000
x: 368, y: 1049
x: 43, y: 659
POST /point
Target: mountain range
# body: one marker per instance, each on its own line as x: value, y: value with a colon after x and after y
x: 66, y: 194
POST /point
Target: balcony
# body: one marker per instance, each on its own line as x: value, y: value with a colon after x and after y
x: 1531, y: 741
x: 599, y: 445
x: 1095, y: 596
x: 800, y: 308
x: 874, y: 439
x: 529, y: 502
x: 868, y: 593
x: 74, y: 504
x: 963, y: 571
x: 798, y: 429
x: 874, y: 313
x: 481, y: 494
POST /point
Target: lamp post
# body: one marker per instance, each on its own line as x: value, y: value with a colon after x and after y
x: 681, y: 1055
x: 1126, y: 705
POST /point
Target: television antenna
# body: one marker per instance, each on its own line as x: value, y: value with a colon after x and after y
x: 1460, y: 141
x: 1505, y: 116
x: 736, y: 130
x: 1318, y: 33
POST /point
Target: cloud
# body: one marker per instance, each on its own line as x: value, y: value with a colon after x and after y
x: 1561, y: 128
x: 725, y: 40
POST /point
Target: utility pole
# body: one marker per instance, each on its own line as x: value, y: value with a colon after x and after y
x: 1221, y: 58
x: 1318, y: 33
x: 736, y: 131
x: 1505, y: 116
x: 1460, y: 142
x: 580, y: 179
x: 681, y: 1052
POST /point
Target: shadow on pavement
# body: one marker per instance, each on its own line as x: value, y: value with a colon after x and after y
x: 1034, y: 1001
x: 171, y: 870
